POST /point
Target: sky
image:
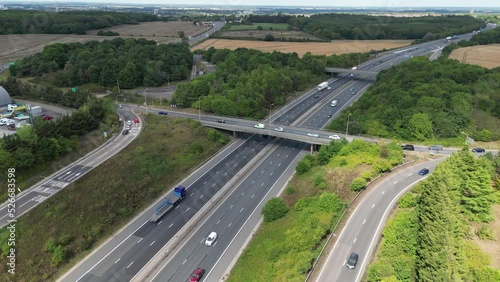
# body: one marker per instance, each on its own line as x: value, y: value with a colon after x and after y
x: 308, y: 3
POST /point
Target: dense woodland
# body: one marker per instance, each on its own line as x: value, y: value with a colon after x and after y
x: 429, y: 237
x: 247, y: 82
x: 363, y: 27
x: 421, y: 100
x: 126, y: 63
x: 69, y: 22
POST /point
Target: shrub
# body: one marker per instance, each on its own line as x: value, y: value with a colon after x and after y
x: 290, y: 190
x: 358, y: 184
x: 274, y: 209
x: 484, y: 233
x: 50, y: 245
x: 303, y: 166
x: 59, y: 255
x: 408, y: 201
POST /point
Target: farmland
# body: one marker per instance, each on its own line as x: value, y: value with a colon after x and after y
x: 482, y: 55
x: 16, y: 46
x: 327, y: 48
x: 265, y: 26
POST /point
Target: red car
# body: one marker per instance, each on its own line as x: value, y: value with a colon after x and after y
x: 47, y: 118
x: 197, y: 274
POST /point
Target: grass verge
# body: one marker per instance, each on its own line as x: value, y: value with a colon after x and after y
x: 284, y: 249
x: 65, y: 228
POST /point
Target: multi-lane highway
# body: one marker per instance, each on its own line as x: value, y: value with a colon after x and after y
x: 123, y: 256
x: 366, y: 222
x: 33, y: 196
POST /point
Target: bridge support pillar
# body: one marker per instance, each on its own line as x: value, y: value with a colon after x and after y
x: 235, y: 134
x: 312, y: 149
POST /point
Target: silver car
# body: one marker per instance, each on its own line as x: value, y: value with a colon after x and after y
x: 313, y: 135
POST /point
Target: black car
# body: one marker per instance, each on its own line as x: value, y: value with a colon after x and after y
x: 163, y: 113
x: 408, y: 147
x: 478, y: 150
x: 352, y: 261
x: 329, y: 115
x: 221, y: 121
x: 125, y: 132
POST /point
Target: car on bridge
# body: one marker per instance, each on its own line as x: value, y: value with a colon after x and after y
x: 334, y: 137
x: 279, y: 129
x: 162, y: 113
x: 313, y: 135
x: 221, y: 121
x: 423, y: 171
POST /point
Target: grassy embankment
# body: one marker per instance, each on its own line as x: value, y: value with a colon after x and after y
x: 283, y: 250
x: 63, y: 229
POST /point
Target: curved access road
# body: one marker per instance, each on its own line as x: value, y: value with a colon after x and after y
x: 364, y: 226
x: 30, y: 198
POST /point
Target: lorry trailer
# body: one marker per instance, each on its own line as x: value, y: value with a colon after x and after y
x: 168, y: 203
x: 323, y: 85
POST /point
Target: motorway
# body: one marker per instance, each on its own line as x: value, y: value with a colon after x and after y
x: 123, y: 256
x: 30, y: 198
x: 194, y: 253
x: 366, y: 222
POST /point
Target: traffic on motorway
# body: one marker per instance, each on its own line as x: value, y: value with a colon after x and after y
x: 128, y: 256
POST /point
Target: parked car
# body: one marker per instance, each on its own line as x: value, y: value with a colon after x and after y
x: 197, y: 275
x: 3, y: 121
x: 352, y: 261
x: 313, y: 135
x: 162, y: 113
x: 436, y: 147
x: 408, y: 147
x: 423, y: 171
x: 221, y: 121
x: 334, y: 137
x: 280, y: 129
x: 478, y: 150
x: 47, y: 118
x: 120, y: 106
x: 211, y: 239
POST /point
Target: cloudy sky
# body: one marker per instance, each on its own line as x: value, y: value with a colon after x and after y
x: 309, y: 3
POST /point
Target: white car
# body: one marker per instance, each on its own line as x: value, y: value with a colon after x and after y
x: 334, y: 137
x: 129, y: 122
x: 128, y: 127
x: 211, y: 239
x: 280, y: 129
x: 11, y: 121
x: 3, y: 121
x: 313, y: 135
x: 260, y: 125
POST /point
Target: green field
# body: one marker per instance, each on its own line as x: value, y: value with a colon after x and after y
x: 265, y: 26
x: 64, y: 228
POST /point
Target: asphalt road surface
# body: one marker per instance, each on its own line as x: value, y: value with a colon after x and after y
x: 33, y: 196
x: 364, y: 227
x: 123, y: 256
x: 133, y: 252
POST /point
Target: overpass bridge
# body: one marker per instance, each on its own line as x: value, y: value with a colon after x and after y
x: 340, y: 70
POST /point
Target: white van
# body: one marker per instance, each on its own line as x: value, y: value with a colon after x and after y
x: 260, y: 125
x: 334, y: 103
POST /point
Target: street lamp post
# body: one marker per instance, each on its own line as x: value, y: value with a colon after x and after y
x: 270, y: 116
x: 347, y: 127
x: 199, y: 110
x: 146, y: 99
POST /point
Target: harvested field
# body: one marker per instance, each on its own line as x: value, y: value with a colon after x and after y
x: 15, y: 46
x: 484, y: 55
x: 316, y: 48
x: 150, y: 29
x: 278, y: 34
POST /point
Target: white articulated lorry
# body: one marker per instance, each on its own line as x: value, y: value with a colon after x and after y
x: 323, y: 85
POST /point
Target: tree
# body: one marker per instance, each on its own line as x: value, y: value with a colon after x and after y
x: 420, y: 127
x: 274, y: 209
x: 181, y: 34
